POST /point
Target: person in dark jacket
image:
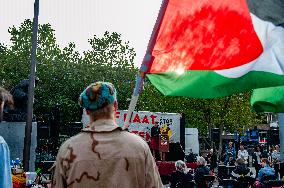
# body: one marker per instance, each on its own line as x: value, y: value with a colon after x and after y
x: 154, y: 145
x: 241, y: 170
x: 256, y: 158
x: 181, y: 176
x: 20, y: 94
x: 231, y: 161
x: 200, y: 171
x: 212, y: 159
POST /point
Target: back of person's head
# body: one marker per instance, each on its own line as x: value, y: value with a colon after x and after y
x: 180, y: 166
x: 265, y: 161
x: 201, y: 161
x: 240, y: 162
x: 99, y: 99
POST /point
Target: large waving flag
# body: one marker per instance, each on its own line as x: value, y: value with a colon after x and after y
x: 208, y: 49
x: 269, y: 99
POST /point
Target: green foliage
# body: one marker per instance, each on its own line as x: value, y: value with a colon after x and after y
x: 232, y: 112
x: 64, y: 73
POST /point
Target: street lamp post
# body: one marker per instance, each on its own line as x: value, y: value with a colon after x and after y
x: 28, y: 128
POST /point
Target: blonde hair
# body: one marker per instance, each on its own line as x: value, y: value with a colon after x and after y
x: 201, y: 160
x: 181, y: 166
x: 240, y: 161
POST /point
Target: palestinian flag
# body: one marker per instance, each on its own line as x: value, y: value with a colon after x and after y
x: 207, y: 49
x: 268, y: 99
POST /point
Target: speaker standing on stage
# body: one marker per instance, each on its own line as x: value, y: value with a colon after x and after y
x: 155, y: 132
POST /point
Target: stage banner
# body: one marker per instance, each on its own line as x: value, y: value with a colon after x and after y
x: 142, y: 122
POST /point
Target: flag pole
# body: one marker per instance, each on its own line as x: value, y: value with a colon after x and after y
x: 28, y: 128
x: 148, y: 58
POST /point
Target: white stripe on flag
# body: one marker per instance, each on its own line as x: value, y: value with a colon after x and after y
x: 272, y: 58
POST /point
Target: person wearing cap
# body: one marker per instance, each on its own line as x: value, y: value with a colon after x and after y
x: 103, y: 154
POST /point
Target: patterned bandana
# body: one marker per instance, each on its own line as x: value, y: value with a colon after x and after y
x: 97, y: 96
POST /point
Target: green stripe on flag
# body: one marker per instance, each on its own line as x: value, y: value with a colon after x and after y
x: 209, y: 84
x: 268, y: 100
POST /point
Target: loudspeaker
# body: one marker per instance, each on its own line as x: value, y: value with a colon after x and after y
x: 43, y: 130
x: 215, y: 134
x: 175, y: 152
x: 273, y: 137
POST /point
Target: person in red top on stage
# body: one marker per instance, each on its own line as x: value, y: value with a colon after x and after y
x: 155, y: 132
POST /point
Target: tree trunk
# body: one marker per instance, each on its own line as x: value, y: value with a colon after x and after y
x: 220, y: 141
x: 222, y: 124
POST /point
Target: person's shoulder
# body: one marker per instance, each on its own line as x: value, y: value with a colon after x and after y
x: 262, y: 170
x: 70, y: 142
x: 2, y: 141
x: 207, y: 168
x: 133, y: 137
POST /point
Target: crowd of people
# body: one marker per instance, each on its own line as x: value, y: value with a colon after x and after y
x: 266, y: 167
x: 266, y: 164
x: 272, y: 155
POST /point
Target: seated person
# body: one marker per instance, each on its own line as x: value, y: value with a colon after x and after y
x: 241, y: 170
x: 181, y: 176
x: 243, y: 153
x: 231, y: 161
x: 191, y: 157
x: 211, y: 159
x: 265, y: 173
x: 200, y: 171
x: 230, y: 152
x: 266, y: 170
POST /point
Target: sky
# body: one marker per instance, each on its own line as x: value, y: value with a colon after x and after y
x: 78, y: 20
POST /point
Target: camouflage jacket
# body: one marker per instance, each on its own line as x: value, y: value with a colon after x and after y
x: 103, y: 155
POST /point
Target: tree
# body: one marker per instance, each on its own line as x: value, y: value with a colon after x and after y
x: 111, y: 59
x: 64, y: 73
